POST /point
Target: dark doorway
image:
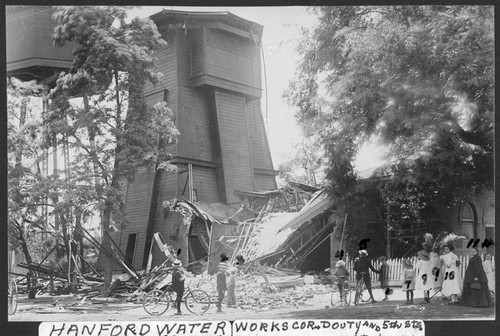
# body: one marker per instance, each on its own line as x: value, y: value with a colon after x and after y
x: 129, y: 254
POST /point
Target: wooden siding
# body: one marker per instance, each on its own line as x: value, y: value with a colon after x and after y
x: 205, y: 183
x: 231, y: 57
x: 20, y: 37
x: 137, y: 207
x: 265, y: 182
x: 197, y: 54
x: 225, y: 60
x: 166, y: 63
x: 225, y: 84
x: 236, y: 158
x: 44, y: 45
x: 29, y: 39
x: 195, y: 139
x: 261, y: 155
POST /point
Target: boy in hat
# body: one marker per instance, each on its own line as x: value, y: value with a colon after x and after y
x: 362, y: 267
x: 178, y: 279
x: 342, y: 275
x: 384, y: 277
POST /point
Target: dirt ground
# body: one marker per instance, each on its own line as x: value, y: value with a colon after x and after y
x: 317, y: 307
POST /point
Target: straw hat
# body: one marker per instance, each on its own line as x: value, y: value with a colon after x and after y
x: 177, y: 262
x: 408, y: 263
x: 223, y: 266
x: 340, y: 263
x: 361, y: 252
x: 423, y: 254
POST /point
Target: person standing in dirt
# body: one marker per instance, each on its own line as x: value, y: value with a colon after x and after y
x: 489, y: 269
x: 363, y: 265
x: 408, y: 280
x: 436, y: 272
x: 384, y: 277
x: 476, y: 292
x: 452, y: 284
x: 423, y: 270
x: 231, y: 285
x: 221, y: 281
x: 178, y: 279
x: 342, y: 275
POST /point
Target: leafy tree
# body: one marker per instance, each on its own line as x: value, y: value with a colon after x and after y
x: 306, y: 166
x: 23, y: 145
x: 419, y: 77
x: 112, y: 130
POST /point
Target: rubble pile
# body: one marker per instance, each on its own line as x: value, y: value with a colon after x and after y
x: 253, y: 293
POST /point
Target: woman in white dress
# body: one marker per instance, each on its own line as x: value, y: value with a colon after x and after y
x: 436, y: 271
x: 452, y: 282
x: 489, y: 269
x: 423, y: 268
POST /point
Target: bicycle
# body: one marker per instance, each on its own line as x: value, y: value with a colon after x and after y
x: 157, y: 301
x: 12, y: 296
x: 361, y: 290
x: 347, y: 290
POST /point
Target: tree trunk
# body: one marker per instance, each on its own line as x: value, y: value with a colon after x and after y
x: 109, y: 263
x: 29, y: 261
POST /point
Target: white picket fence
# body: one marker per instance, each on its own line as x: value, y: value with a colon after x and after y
x: 396, y: 267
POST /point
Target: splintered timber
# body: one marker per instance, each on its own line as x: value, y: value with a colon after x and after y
x: 239, y: 328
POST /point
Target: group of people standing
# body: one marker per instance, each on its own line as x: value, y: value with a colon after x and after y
x: 226, y: 282
x: 432, y: 272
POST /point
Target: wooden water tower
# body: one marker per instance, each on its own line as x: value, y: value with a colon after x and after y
x: 212, y: 82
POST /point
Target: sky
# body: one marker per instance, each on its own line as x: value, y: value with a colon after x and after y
x: 281, y: 36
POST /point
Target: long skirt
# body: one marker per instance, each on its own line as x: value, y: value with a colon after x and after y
x: 491, y: 280
x: 476, y: 297
x: 452, y: 282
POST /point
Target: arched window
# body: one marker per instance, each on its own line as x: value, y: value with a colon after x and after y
x: 468, y: 218
x: 489, y: 220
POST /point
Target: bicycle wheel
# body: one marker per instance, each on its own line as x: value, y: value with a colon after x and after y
x: 12, y: 297
x: 347, y: 292
x: 156, y: 302
x: 197, y: 301
x: 334, y: 297
x: 364, y: 295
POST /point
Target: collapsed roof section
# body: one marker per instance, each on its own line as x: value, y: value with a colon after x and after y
x: 286, y: 228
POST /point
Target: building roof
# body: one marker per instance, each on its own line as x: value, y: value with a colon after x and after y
x: 319, y: 203
x: 189, y: 18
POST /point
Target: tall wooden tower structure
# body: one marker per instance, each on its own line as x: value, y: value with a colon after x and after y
x: 212, y: 82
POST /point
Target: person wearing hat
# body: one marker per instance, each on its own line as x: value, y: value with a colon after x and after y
x: 342, y: 275
x: 221, y: 280
x: 384, y: 277
x: 408, y: 280
x: 452, y: 282
x: 178, y: 279
x: 476, y: 292
x: 362, y: 267
x: 423, y: 270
